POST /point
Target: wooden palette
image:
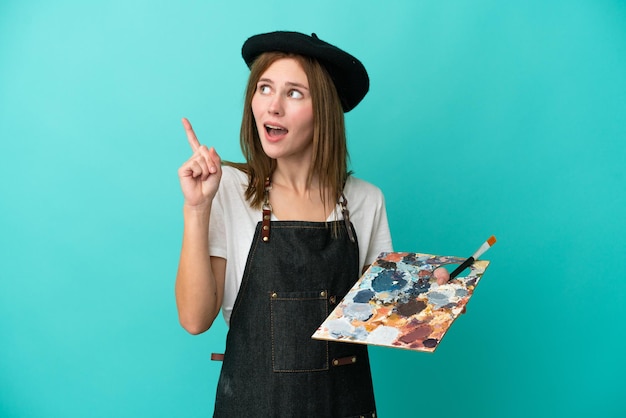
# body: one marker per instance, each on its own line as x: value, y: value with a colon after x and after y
x: 398, y: 303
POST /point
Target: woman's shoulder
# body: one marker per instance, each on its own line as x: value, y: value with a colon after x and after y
x: 360, y: 192
x: 355, y: 185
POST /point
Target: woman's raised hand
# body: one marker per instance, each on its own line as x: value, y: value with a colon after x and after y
x: 200, y: 175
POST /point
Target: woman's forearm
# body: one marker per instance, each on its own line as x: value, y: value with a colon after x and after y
x: 200, y: 278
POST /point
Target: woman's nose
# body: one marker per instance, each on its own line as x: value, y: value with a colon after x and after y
x: 276, y: 105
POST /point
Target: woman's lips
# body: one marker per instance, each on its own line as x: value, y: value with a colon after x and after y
x: 274, y: 132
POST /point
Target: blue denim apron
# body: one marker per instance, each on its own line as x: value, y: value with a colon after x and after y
x: 272, y: 367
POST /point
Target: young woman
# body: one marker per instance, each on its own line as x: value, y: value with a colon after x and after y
x: 276, y: 242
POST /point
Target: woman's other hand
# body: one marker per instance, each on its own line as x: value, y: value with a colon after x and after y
x: 442, y: 275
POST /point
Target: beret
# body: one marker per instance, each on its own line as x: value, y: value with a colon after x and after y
x: 347, y: 72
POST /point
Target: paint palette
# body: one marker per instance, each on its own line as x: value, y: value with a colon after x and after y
x: 398, y: 303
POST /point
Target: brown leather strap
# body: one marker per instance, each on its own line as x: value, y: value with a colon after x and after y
x: 217, y: 357
x: 265, y: 225
x: 267, y: 213
x: 344, y: 361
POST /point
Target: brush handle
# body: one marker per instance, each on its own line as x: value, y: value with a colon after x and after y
x: 462, y: 267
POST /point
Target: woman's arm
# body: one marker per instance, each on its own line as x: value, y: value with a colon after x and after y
x: 200, y: 278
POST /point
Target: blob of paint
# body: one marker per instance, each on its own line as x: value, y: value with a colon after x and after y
x: 358, y: 311
x: 339, y: 328
x: 387, y: 265
x: 383, y: 335
x: 411, y: 308
x: 420, y: 286
x: 440, y: 297
x: 431, y: 342
x: 364, y: 296
x: 418, y: 333
x: 388, y: 280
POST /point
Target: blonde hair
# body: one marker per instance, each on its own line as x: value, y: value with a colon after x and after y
x: 330, y: 153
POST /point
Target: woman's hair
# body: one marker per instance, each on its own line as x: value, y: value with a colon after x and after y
x: 330, y: 154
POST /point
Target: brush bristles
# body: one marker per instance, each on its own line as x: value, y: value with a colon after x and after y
x: 486, y: 245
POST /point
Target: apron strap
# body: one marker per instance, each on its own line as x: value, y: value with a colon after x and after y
x: 346, y: 216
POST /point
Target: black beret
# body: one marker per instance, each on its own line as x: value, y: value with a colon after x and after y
x: 347, y: 72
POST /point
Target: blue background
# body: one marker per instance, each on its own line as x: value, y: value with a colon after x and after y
x: 484, y: 117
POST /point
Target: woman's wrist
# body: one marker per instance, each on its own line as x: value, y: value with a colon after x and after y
x: 197, y: 213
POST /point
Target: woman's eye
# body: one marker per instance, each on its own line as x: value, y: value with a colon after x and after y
x: 295, y: 94
x: 264, y: 89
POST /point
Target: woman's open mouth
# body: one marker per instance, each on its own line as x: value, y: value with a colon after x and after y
x: 274, y: 131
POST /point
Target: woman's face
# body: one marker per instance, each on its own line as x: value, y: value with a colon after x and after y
x: 283, y: 111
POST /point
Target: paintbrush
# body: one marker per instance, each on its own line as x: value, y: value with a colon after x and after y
x: 486, y: 245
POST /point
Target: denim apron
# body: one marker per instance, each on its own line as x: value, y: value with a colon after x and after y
x: 272, y: 367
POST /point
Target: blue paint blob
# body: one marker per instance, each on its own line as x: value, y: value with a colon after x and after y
x: 420, y: 286
x: 436, y: 297
x: 388, y: 281
x: 358, y: 311
x: 364, y: 296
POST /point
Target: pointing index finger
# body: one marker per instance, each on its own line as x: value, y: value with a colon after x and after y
x: 191, y: 135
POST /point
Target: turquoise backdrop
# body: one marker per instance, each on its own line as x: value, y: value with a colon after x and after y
x: 484, y: 117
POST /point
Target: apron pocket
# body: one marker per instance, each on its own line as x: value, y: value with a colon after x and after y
x: 294, y: 318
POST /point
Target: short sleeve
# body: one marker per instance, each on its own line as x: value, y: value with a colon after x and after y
x: 380, y: 240
x: 368, y: 214
x: 218, y: 244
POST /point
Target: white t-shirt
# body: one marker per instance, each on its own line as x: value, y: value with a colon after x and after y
x: 233, y: 223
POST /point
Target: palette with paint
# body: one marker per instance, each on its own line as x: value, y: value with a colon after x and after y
x: 398, y: 303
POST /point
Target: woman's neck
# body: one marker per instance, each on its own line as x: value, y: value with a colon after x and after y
x: 295, y: 177
x: 293, y: 197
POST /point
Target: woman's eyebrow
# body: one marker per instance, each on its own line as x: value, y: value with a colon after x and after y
x: 288, y: 83
x: 292, y: 84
